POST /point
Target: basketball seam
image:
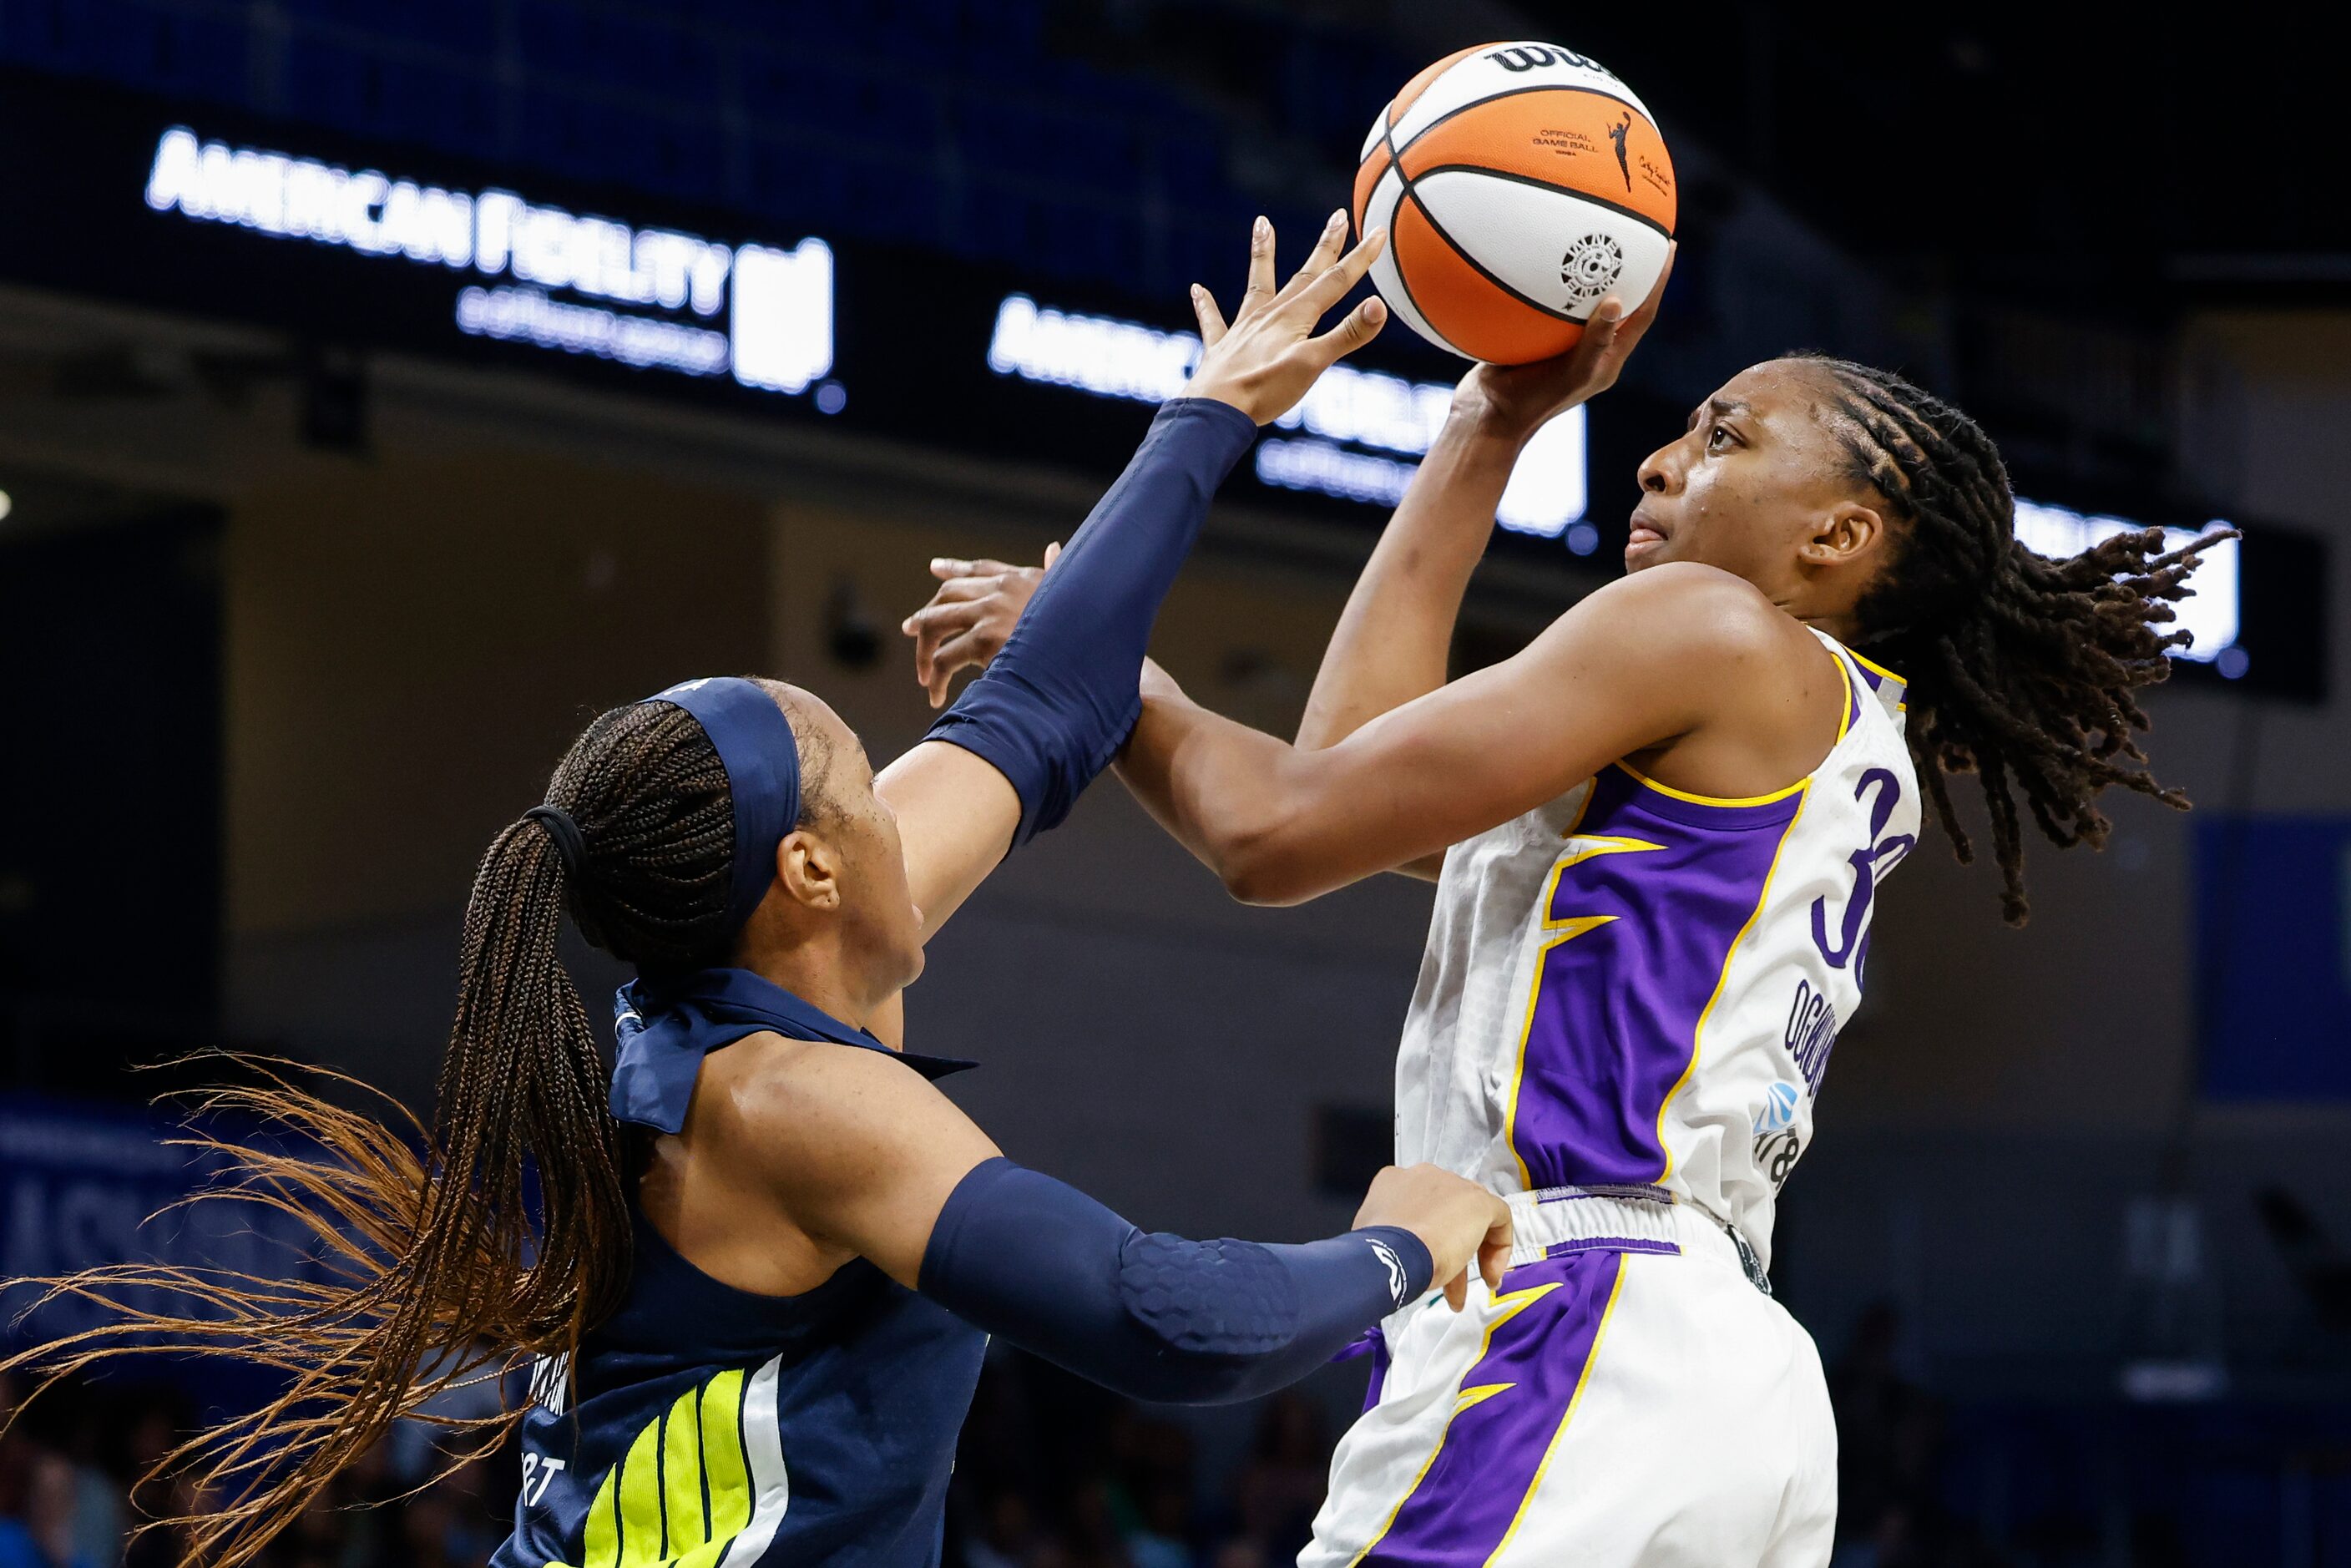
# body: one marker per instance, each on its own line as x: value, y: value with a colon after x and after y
x: 1479, y: 267
x: 1412, y: 194
x: 1512, y: 92
x: 1581, y: 195
x: 1403, y: 180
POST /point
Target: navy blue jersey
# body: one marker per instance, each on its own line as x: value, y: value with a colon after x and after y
x: 701, y: 1424
x: 711, y: 1426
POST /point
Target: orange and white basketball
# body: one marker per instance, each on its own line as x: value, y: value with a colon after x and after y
x: 1519, y: 184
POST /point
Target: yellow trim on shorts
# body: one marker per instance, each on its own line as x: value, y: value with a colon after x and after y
x: 1698, y: 1035
x: 1468, y: 1399
x: 1715, y: 800
x: 1582, y: 1381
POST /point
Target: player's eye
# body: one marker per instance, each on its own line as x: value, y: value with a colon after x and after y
x: 1718, y: 437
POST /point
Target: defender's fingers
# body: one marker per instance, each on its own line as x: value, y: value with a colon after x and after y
x: 1343, y: 275
x: 1260, y: 266
x: 1319, y: 259
x: 1211, y: 320
x: 1053, y: 554
x: 1456, y: 1291
x: 1360, y: 326
x: 934, y: 628
x: 955, y: 592
x: 953, y: 655
x: 945, y: 566
x: 958, y: 589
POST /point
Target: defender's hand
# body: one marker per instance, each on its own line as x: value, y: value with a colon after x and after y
x: 1264, y: 361
x: 1456, y: 1219
x: 1516, y: 401
x: 967, y: 620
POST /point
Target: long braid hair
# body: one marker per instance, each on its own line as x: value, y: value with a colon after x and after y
x: 2022, y: 668
x: 441, y: 1268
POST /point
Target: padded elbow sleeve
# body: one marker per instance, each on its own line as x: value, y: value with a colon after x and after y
x: 1061, y: 698
x: 1155, y: 1316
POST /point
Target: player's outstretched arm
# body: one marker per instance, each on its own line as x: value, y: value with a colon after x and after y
x: 1669, y: 655
x: 1393, y: 639
x: 868, y: 1158
x: 1012, y: 756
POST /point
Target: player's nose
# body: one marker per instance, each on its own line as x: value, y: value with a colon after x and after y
x: 1659, y: 474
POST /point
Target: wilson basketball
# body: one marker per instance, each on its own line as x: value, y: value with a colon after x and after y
x: 1519, y: 184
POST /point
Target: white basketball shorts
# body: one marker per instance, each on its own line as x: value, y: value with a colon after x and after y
x: 1628, y: 1399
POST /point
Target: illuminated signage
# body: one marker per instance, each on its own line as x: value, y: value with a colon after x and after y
x: 1361, y: 432
x: 645, y: 296
x: 2211, y: 613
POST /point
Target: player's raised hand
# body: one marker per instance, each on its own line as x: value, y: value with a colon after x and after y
x: 1458, y: 1221
x: 1516, y: 399
x: 969, y: 617
x: 1265, y: 359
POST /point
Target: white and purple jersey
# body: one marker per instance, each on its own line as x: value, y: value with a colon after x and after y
x: 1634, y: 986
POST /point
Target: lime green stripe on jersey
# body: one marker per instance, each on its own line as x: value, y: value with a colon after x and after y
x: 687, y: 1491
x: 722, y: 1456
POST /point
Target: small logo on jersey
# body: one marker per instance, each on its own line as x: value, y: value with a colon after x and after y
x: 550, y: 1382
x: 1618, y: 133
x: 1590, y: 268
x: 1779, y: 1112
x: 1399, y: 1286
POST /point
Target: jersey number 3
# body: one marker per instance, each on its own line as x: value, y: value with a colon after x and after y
x: 1884, y: 793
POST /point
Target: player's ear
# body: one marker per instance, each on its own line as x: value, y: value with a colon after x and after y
x: 811, y: 869
x: 1849, y: 534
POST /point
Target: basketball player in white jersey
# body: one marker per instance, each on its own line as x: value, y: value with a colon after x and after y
x: 1658, y: 835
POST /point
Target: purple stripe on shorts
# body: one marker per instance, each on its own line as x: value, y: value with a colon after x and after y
x: 1616, y: 1012
x: 1612, y: 1244
x: 1493, y: 1450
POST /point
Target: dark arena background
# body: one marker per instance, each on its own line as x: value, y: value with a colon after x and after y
x: 319, y: 538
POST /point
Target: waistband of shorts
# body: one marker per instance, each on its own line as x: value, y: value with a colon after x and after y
x: 1553, y: 1222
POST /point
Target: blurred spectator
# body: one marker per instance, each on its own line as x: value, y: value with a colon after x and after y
x: 17, y: 1450
x: 1006, y: 1536
x: 42, y: 1533
x: 1289, y: 1469
x: 1889, y: 1438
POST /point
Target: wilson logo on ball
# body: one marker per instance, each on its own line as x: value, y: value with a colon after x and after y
x: 1481, y: 167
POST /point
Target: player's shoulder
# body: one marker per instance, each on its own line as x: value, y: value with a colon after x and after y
x: 1682, y: 610
x: 811, y: 1102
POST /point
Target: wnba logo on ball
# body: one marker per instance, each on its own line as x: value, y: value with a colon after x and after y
x: 1590, y: 268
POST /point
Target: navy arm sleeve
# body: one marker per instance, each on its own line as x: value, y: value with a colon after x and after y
x: 1060, y: 698
x: 1153, y: 1316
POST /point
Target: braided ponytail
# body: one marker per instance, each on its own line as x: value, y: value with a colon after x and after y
x: 437, y: 1259
x: 2021, y: 669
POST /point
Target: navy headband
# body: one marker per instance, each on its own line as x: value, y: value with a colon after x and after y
x: 762, y: 758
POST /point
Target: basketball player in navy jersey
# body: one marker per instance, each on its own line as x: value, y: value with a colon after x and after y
x: 763, y: 1255
x: 1657, y: 835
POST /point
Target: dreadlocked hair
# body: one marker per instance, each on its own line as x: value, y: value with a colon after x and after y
x: 2021, y: 668
x: 457, y: 1252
